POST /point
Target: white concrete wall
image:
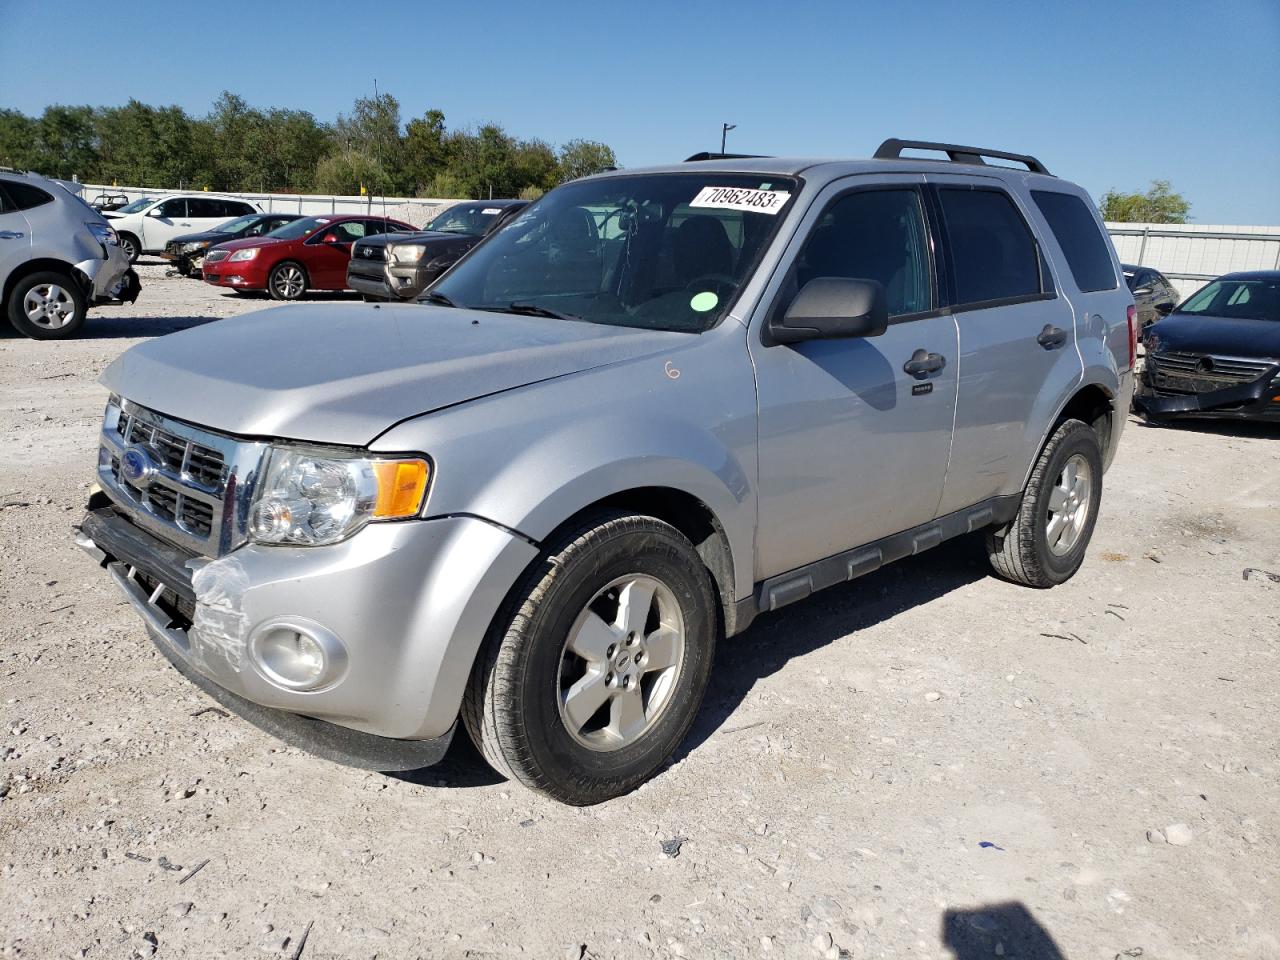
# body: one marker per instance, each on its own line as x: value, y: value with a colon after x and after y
x: 1195, y: 255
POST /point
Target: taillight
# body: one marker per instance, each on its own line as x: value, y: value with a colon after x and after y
x: 1132, y: 315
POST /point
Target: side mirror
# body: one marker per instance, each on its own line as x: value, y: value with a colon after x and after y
x: 330, y: 238
x: 833, y: 308
x: 155, y: 212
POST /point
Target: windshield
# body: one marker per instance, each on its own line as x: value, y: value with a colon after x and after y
x: 236, y: 225
x: 299, y: 228
x: 137, y: 206
x: 472, y: 219
x: 662, y: 251
x: 1238, y: 299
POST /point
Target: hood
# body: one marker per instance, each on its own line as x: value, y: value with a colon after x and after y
x: 1225, y: 336
x: 253, y: 242
x: 344, y: 373
x: 211, y: 235
x: 420, y: 236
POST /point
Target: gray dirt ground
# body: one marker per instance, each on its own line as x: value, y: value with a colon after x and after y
x: 831, y: 804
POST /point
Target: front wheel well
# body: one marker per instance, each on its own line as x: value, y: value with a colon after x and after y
x: 695, y: 520
x: 40, y: 265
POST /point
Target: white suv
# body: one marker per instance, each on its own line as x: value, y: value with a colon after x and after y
x: 146, y: 225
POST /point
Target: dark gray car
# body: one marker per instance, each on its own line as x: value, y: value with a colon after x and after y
x: 653, y: 407
x: 399, y: 266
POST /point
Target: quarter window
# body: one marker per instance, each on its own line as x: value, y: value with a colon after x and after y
x: 873, y: 235
x: 24, y: 196
x: 992, y: 248
x: 1081, y: 241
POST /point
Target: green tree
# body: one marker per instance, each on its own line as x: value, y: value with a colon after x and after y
x: 17, y: 140
x: 66, y: 143
x: 373, y: 129
x: 426, y: 152
x: 581, y: 158
x: 1158, y: 205
x: 346, y: 172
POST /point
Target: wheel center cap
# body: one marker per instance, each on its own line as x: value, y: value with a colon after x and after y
x: 622, y: 661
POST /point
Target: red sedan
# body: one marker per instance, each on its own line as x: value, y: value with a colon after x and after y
x: 307, y: 254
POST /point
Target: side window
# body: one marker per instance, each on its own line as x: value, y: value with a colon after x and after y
x: 350, y: 231
x: 1081, y: 241
x: 873, y: 235
x: 205, y: 209
x: 5, y: 205
x: 992, y: 248
x: 173, y: 208
x: 23, y: 196
x: 238, y: 208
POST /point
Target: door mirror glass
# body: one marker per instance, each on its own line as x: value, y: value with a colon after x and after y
x: 831, y: 308
x: 155, y: 212
x: 330, y: 238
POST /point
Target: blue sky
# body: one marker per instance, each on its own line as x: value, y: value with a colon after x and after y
x: 1109, y: 94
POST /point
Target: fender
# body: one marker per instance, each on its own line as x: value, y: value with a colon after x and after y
x: 531, y: 458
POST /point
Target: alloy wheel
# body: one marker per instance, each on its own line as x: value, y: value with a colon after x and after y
x: 49, y: 306
x: 1069, y: 504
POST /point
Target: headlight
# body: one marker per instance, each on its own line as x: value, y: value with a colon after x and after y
x: 103, y: 234
x: 247, y: 254
x: 194, y: 246
x: 316, y: 497
x: 405, y: 253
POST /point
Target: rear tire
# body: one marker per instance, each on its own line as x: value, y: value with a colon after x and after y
x: 1045, y: 543
x: 288, y: 281
x: 595, y: 668
x: 47, y: 306
x: 131, y: 246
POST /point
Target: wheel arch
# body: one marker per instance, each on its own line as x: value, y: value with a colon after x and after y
x: 42, y: 265
x: 1093, y: 404
x: 693, y: 518
x: 284, y: 261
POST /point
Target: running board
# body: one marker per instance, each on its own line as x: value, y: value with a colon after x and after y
x: 797, y: 584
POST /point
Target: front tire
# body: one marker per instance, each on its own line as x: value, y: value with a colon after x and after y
x: 288, y: 281
x: 131, y: 246
x: 47, y: 306
x: 1045, y: 544
x: 595, y: 669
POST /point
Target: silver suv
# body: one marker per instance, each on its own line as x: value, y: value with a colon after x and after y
x: 656, y: 405
x: 58, y: 257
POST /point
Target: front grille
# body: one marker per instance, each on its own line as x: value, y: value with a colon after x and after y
x: 1199, y: 372
x: 371, y: 252
x: 184, y: 483
x: 213, y: 256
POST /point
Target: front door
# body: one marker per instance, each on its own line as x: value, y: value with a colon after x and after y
x: 329, y: 253
x: 852, y: 447
x: 165, y: 221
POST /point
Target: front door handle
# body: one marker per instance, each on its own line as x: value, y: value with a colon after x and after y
x: 923, y: 363
x: 11, y: 235
x: 1051, y: 337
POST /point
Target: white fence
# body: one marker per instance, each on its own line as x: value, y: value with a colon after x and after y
x: 1191, y: 255
x: 416, y: 210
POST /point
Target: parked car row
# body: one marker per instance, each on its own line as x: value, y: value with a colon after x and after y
x: 146, y: 225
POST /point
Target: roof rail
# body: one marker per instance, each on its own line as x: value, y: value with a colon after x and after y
x: 892, y: 149
x: 724, y: 156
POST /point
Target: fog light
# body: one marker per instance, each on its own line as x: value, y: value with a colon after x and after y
x: 297, y: 654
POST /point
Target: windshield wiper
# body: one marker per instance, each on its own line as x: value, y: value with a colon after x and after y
x: 524, y: 308
x: 439, y: 299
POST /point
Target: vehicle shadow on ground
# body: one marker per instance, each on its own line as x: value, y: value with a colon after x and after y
x: 775, y: 639
x: 1223, y: 428
x: 975, y: 934
x: 136, y: 328
x: 771, y: 643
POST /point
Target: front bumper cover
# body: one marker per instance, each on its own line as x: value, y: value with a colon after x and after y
x: 412, y: 602
x: 1252, y: 400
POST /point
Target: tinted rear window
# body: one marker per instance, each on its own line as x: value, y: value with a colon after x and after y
x: 24, y: 196
x: 992, y: 249
x: 1080, y: 239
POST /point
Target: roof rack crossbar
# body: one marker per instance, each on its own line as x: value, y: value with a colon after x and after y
x: 724, y: 156
x: 892, y: 149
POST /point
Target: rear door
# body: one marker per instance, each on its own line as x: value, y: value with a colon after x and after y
x: 1017, y: 338
x: 15, y: 235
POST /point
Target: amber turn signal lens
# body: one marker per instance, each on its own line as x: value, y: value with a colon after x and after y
x: 401, y: 486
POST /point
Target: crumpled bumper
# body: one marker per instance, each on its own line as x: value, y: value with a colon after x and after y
x: 1256, y: 399
x: 411, y: 602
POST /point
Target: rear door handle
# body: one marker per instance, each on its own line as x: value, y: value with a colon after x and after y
x: 11, y: 234
x: 1051, y: 337
x: 923, y: 363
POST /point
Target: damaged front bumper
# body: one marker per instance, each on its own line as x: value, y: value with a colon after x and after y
x: 1258, y: 399
x: 409, y: 602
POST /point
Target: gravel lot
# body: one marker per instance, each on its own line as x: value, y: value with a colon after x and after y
x: 925, y: 763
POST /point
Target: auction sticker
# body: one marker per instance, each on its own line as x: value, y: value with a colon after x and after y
x: 741, y: 198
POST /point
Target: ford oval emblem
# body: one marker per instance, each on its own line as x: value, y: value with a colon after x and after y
x: 136, y: 466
